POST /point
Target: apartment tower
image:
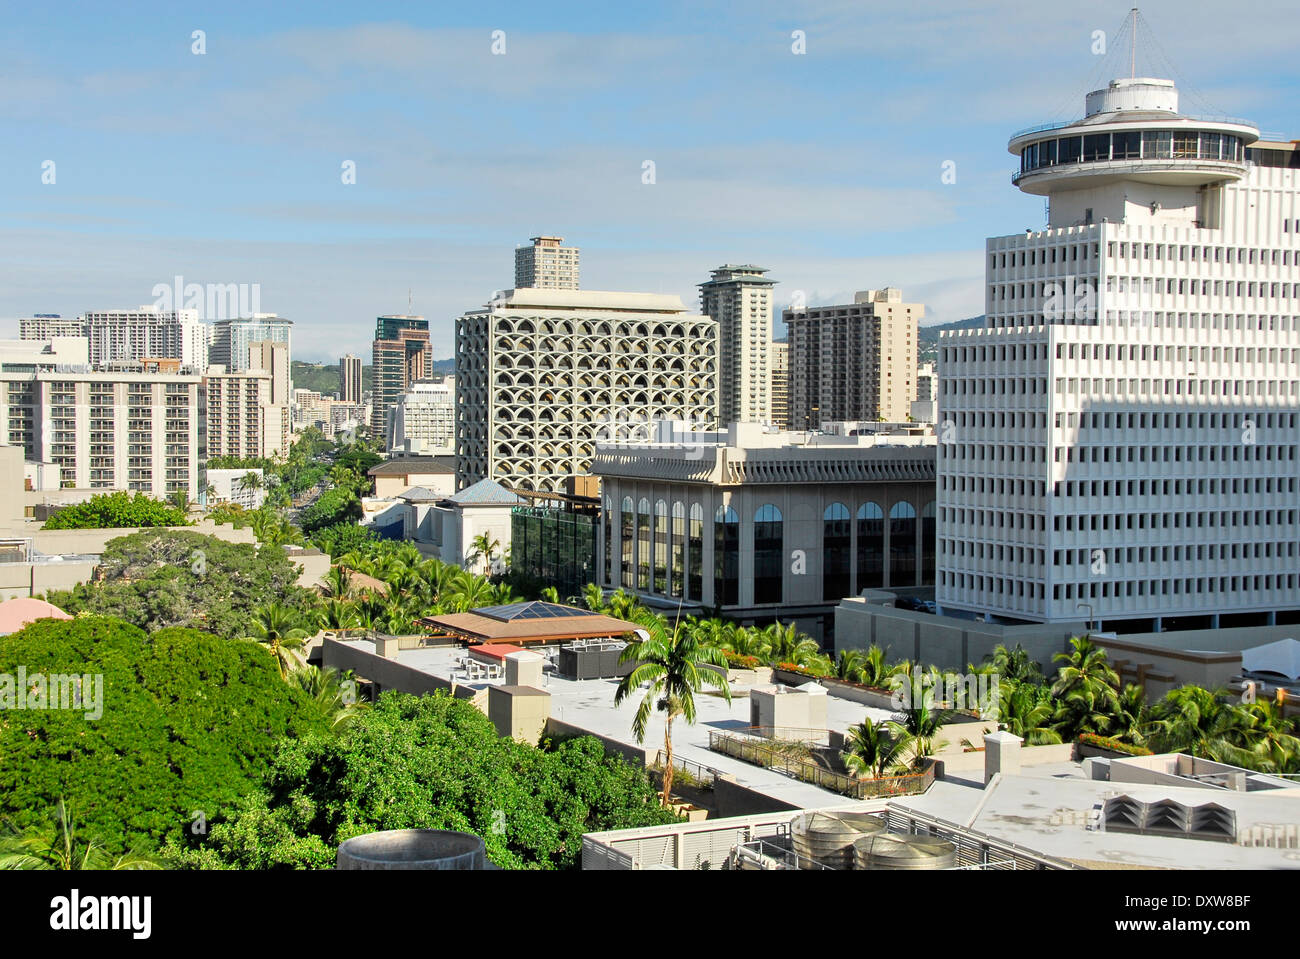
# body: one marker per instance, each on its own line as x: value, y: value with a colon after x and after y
x: 739, y: 298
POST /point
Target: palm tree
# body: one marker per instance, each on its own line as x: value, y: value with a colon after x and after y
x: 469, y: 592
x: 209, y: 493
x: 1273, y: 736
x: 1132, y: 716
x: 787, y: 645
x: 338, y: 583
x: 671, y: 666
x: 334, y: 694
x: 181, y: 500
x: 1086, y: 689
x: 251, y: 481
x: 593, y: 597
x: 916, y: 731
x: 870, y: 751
x: 1025, y: 711
x: 1202, y: 722
x: 38, y: 849
x: 848, y: 665
x: 484, y: 546
x: 1015, y: 665
x: 339, y: 614
x: 873, y: 671
x: 549, y: 594
x: 276, y: 627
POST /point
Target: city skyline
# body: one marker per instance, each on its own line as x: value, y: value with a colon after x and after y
x: 252, y: 192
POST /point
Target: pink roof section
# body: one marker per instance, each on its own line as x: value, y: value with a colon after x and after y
x: 20, y: 612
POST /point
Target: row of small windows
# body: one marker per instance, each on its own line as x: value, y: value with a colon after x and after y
x: 1168, y: 387
x: 993, y: 386
x: 1183, y: 253
x: 985, y: 586
x: 1002, y: 292
x: 1044, y: 256
x: 993, y: 453
x: 999, y: 519
x: 1104, y: 559
x: 1175, y: 421
x: 1199, y: 586
x: 1073, y: 489
x: 1001, y: 354
x: 1203, y: 520
x: 1240, y: 452
x: 1133, y: 145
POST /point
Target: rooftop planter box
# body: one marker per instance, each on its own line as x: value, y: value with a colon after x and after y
x: 1090, y: 744
x: 843, y: 688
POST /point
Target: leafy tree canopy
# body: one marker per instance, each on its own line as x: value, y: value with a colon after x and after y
x: 403, y: 764
x: 179, y: 578
x: 189, y: 723
x: 118, y: 510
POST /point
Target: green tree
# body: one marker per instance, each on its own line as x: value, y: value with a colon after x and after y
x: 280, y: 630
x: 1086, y: 690
x: 484, y: 546
x: 60, y: 848
x: 189, y: 723
x: 672, y: 665
x: 163, y: 578
x: 1015, y: 665
x: 870, y: 751
x: 401, y: 765
x: 1026, y: 710
x: 118, y: 510
x: 917, y: 731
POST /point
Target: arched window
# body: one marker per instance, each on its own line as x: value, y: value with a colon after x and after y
x: 871, y: 547
x: 677, y: 549
x: 695, y: 554
x: 769, y: 555
x: 902, y: 545
x: 836, y: 543
x: 661, y: 548
x: 726, y: 557
x: 628, y: 538
x: 927, y: 543
x: 643, y: 544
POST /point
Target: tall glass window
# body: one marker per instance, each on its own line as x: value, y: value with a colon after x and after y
x: 902, y: 545
x: 927, y: 543
x: 678, y: 549
x: 643, y: 544
x: 1096, y: 146
x: 726, y: 557
x: 1157, y: 144
x: 661, y: 548
x: 628, y: 538
x: 871, y: 547
x: 607, y: 519
x: 836, y: 544
x: 1126, y: 146
x: 695, y: 555
x: 769, y: 555
x: 1070, y: 149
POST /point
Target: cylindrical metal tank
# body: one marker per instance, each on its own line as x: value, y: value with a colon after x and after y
x: 828, y: 838
x: 413, y: 849
x: 894, y: 851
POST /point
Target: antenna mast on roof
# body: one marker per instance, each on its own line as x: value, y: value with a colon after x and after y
x: 1132, y: 46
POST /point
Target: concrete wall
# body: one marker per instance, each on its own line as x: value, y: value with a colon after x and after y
x: 387, y: 673
x: 1029, y: 756
x: 13, y: 483
x: 33, y: 579
x: 636, y: 755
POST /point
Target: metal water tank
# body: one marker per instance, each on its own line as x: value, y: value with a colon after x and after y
x: 413, y: 849
x: 894, y: 851
x: 828, y: 838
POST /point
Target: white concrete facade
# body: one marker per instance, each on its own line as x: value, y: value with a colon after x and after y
x: 125, y: 335
x: 740, y: 299
x: 542, y: 374
x: 1122, y: 441
x: 423, y: 420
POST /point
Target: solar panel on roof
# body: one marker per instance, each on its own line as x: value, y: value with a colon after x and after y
x: 534, y: 609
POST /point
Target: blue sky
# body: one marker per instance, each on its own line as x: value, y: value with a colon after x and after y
x: 824, y: 167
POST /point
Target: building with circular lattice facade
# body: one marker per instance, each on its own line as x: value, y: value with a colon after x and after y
x: 544, y: 373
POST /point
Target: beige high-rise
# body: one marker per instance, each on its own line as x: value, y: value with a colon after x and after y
x: 779, y: 366
x: 855, y: 361
x: 547, y: 264
x: 740, y: 299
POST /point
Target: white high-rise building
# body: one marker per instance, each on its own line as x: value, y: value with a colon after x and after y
x: 1121, y: 443
x: 423, y: 420
x: 232, y: 338
x: 740, y: 298
x: 148, y: 333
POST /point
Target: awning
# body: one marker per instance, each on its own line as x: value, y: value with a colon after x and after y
x: 1282, y: 658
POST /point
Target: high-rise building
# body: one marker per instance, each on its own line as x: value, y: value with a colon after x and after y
x: 402, y: 354
x: 136, y: 427
x: 273, y: 357
x: 1120, y: 443
x: 232, y: 338
x: 126, y: 335
x: 547, y: 264
x: 927, y: 382
x: 853, y: 361
x: 350, y: 379
x: 541, y: 374
x: 423, y: 420
x: 241, y: 419
x: 779, y: 367
x: 46, y: 326
x: 739, y: 298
